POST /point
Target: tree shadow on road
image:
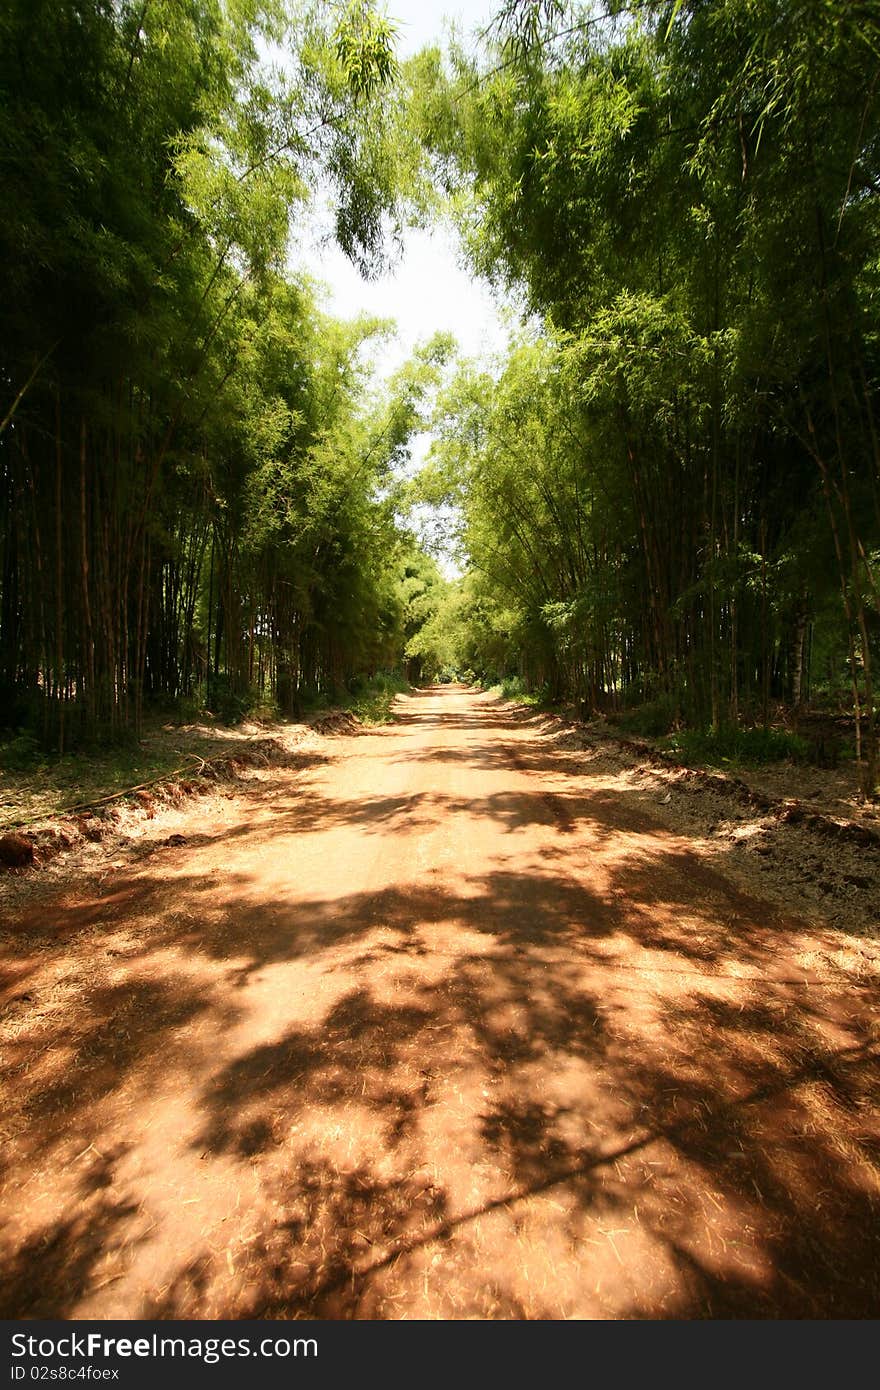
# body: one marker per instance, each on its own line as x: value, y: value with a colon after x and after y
x: 528, y: 1092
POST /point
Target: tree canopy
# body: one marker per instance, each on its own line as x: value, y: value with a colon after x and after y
x: 675, y: 490
x: 191, y: 465
x: 669, y: 492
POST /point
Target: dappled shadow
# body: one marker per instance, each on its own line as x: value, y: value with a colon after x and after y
x: 517, y: 910
x: 783, y: 1153
x: 704, y: 1195
x: 584, y: 1077
x: 45, y: 1275
x: 305, y: 1265
x: 114, y: 1032
x: 127, y: 1023
x: 345, y: 1061
x: 658, y: 893
x: 495, y: 1007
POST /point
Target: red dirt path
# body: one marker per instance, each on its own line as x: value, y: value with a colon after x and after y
x: 433, y: 1029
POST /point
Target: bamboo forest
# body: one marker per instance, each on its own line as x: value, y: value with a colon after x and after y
x: 667, y: 494
x: 371, y: 701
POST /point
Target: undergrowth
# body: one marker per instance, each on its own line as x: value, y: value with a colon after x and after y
x: 513, y: 688
x: 35, y: 783
x: 652, y: 719
x: 731, y: 745
x: 371, y: 699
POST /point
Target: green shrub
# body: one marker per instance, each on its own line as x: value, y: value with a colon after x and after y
x: 310, y: 698
x: 19, y: 709
x: 20, y: 752
x: 374, y: 697
x: 653, y: 719
x: 229, y: 704
x: 731, y: 745
x: 189, y: 709
x: 513, y: 688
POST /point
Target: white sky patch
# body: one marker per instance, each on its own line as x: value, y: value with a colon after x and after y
x: 420, y: 22
x: 427, y: 290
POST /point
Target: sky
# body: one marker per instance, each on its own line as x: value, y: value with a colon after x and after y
x: 427, y: 290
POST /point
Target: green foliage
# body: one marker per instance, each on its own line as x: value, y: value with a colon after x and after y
x: 515, y: 688
x: 230, y: 704
x: 671, y: 487
x: 20, y: 752
x: 424, y: 599
x: 373, y: 699
x: 653, y: 719
x: 737, y: 746
x: 665, y: 496
x: 191, y: 471
x: 41, y: 784
x: 365, y: 48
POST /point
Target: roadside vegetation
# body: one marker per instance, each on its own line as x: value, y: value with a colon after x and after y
x: 197, y: 509
x: 664, y: 501
x: 668, y: 491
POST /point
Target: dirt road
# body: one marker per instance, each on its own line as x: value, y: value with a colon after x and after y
x: 434, y: 1029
